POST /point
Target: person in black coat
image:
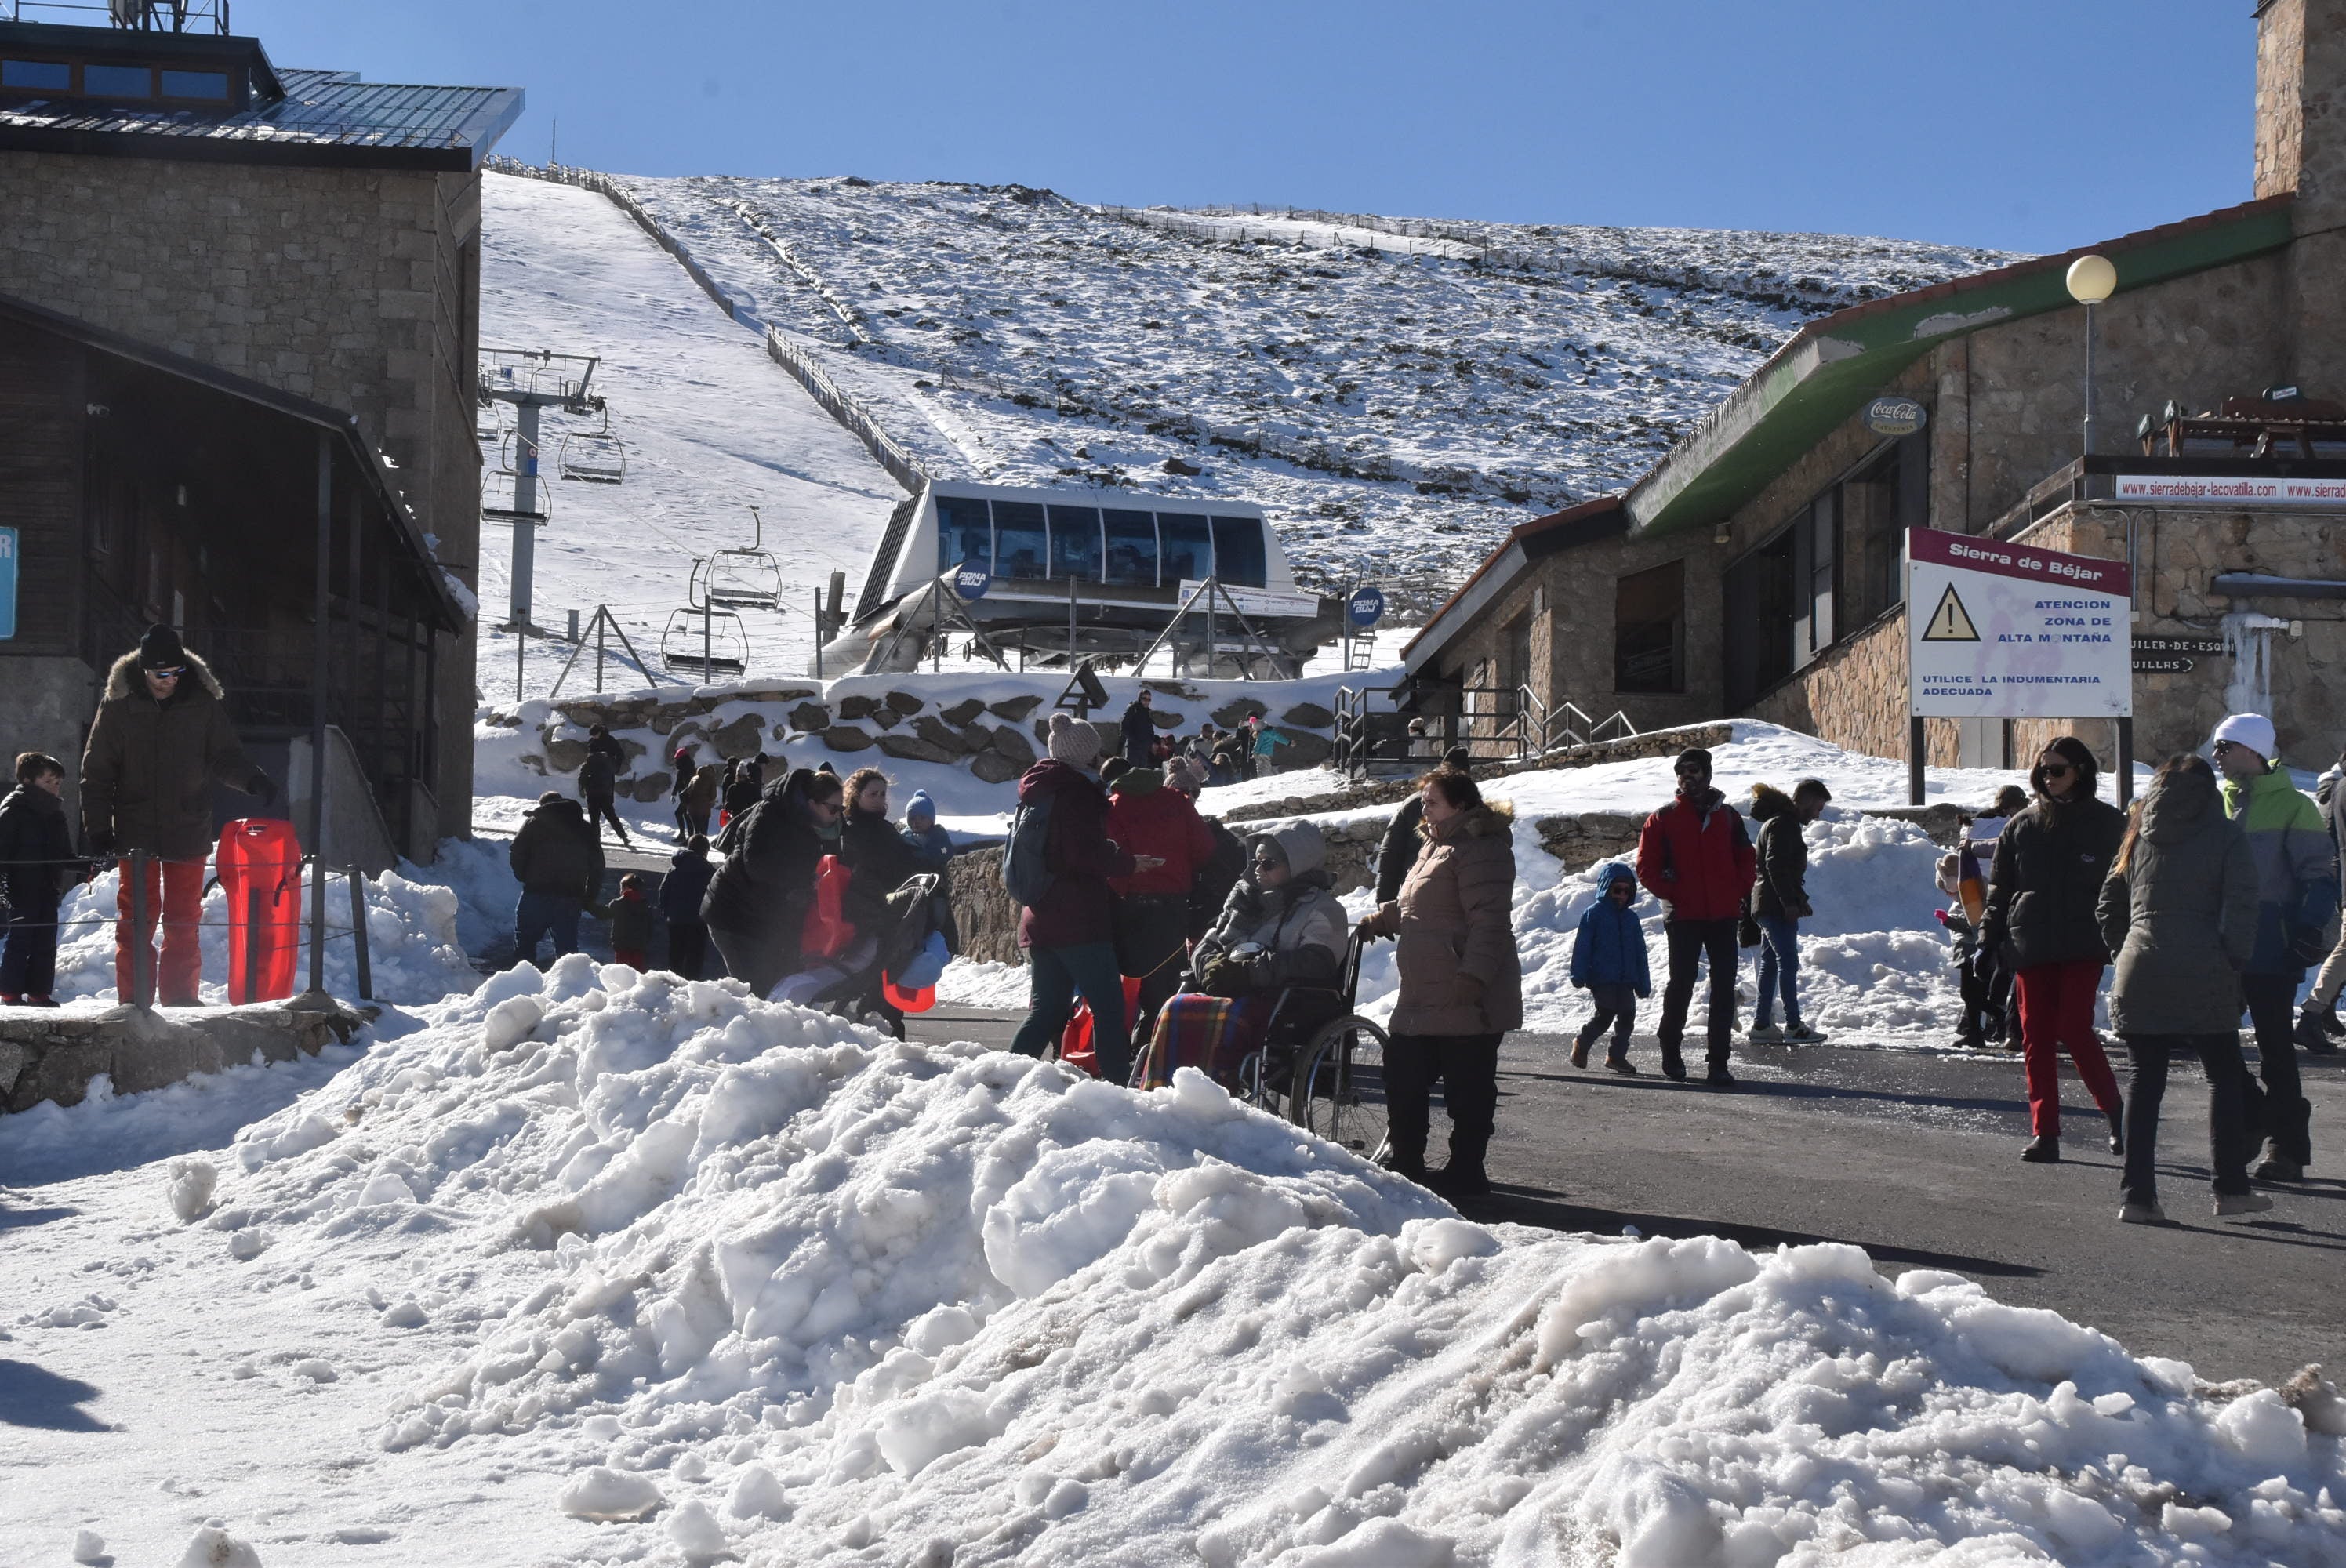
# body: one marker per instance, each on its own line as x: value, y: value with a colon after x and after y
x: 882, y: 862
x: 747, y: 786
x: 37, y: 864
x: 598, y: 779
x: 2042, y: 894
x: 1402, y: 840
x: 558, y: 857
x: 681, y: 890
x: 757, y: 902
x: 1140, y: 730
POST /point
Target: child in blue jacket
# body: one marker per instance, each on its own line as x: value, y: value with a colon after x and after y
x: 1608, y: 960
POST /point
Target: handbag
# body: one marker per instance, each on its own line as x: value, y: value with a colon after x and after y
x: 1746, y: 930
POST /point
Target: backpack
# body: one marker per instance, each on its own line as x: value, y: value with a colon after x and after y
x: 1026, y: 859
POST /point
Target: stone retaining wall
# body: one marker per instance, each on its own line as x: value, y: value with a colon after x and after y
x: 54, y: 1054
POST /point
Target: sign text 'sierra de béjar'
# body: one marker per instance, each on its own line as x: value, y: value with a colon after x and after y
x: 1998, y: 630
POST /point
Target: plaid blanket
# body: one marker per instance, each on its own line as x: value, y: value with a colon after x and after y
x: 1211, y: 1033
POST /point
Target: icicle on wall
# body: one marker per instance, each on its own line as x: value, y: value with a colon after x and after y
x: 2248, y: 641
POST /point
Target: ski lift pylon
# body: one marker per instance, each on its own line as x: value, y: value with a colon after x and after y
x: 747, y: 579
x: 594, y: 455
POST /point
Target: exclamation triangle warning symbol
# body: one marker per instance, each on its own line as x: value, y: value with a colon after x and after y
x: 1950, y: 623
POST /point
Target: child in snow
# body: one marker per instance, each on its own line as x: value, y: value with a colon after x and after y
x: 1266, y: 744
x: 932, y: 843
x: 631, y: 923
x: 1608, y: 962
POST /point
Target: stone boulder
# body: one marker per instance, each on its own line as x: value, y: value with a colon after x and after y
x: 1009, y: 743
x: 912, y: 748
x: 1310, y: 715
x: 1232, y: 714
x: 962, y: 713
x: 1014, y: 708
x: 846, y: 738
x: 745, y: 736
x: 886, y: 718
x: 1305, y: 750
x: 858, y: 705
x: 1164, y: 718
x: 994, y: 767
x: 940, y: 735
x: 905, y: 702
x: 565, y: 756
x: 810, y: 717
x: 652, y: 787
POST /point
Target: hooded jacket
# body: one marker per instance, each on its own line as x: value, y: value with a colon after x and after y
x: 1780, y: 890
x: 557, y: 853
x: 1300, y: 925
x: 147, y: 774
x: 2181, y: 915
x: 1454, y: 918
x: 686, y: 884
x: 36, y: 854
x: 1609, y: 947
x: 1147, y: 819
x: 2044, y: 885
x: 761, y: 891
x: 631, y: 922
x: 2296, y: 870
x: 1696, y: 857
x: 1079, y: 908
x: 883, y: 862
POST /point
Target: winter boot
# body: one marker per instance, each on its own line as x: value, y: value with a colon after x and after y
x: 2042, y: 1151
x: 1673, y: 1063
x: 1580, y: 1050
x: 1621, y: 1065
x: 2314, y: 1026
x: 1456, y: 1180
x: 1719, y: 1077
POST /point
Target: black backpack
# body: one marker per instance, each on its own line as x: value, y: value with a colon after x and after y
x: 1025, y: 860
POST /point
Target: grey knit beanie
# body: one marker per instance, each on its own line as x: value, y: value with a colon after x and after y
x: 1076, y: 745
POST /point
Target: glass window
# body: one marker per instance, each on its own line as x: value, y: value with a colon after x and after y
x: 1649, y: 630
x: 1019, y: 549
x: 211, y: 84
x: 118, y: 81
x: 1132, y: 548
x: 1075, y: 542
x: 1237, y: 552
x: 1188, y: 547
x: 51, y: 75
x: 962, y: 533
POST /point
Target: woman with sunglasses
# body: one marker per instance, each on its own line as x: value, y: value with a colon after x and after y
x: 2042, y: 895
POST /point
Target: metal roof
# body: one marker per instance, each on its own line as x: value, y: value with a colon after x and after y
x: 326, y: 117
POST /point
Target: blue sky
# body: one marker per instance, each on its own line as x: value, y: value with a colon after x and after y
x: 2031, y: 126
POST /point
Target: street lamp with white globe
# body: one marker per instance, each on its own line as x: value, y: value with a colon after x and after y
x: 2092, y: 280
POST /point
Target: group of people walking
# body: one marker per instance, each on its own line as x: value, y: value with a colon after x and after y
x: 1249, y: 749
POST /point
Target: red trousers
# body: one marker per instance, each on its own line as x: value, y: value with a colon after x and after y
x: 2057, y: 1013
x: 175, y: 890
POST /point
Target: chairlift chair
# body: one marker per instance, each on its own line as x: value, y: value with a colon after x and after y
x: 743, y: 578
x: 596, y: 456
x: 709, y: 641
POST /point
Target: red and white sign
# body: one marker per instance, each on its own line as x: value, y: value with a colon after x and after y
x: 2230, y: 489
x: 1998, y: 630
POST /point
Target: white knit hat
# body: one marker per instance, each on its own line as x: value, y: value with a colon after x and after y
x: 1076, y: 745
x: 2253, y: 730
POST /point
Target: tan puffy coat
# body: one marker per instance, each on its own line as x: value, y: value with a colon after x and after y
x: 1454, y: 918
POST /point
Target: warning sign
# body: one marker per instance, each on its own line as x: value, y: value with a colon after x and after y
x: 1950, y: 623
x: 2015, y: 632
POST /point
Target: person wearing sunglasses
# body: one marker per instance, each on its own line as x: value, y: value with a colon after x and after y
x: 2042, y: 892
x: 2297, y: 893
x: 160, y: 741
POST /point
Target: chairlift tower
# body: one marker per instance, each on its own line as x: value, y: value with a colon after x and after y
x: 532, y: 380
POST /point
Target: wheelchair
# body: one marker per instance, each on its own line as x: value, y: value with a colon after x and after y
x: 1319, y: 1065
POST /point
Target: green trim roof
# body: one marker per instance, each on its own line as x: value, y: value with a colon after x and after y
x: 1836, y: 363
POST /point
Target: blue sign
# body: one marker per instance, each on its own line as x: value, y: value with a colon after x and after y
x: 971, y: 581
x: 1366, y: 608
x: 7, y: 583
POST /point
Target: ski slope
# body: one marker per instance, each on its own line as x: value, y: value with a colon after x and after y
x: 712, y: 427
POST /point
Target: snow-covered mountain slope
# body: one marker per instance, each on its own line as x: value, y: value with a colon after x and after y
x: 712, y: 427
x: 1457, y: 379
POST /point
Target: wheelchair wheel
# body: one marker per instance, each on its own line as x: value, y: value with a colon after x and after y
x: 1339, y: 1086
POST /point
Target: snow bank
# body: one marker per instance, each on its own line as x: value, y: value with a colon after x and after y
x: 736, y: 1276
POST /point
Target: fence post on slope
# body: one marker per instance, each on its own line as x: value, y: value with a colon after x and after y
x: 359, y: 933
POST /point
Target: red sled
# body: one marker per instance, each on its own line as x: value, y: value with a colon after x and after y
x: 259, y: 866
x: 1076, y: 1039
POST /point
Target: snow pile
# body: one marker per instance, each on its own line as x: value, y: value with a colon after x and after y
x: 735, y: 1278
x: 413, y: 942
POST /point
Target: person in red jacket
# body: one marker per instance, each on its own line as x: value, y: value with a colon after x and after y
x: 1696, y: 857
x: 1067, y: 932
x: 1152, y: 907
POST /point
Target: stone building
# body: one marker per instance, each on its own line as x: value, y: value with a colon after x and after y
x: 301, y: 230
x: 1759, y: 569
